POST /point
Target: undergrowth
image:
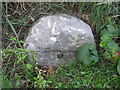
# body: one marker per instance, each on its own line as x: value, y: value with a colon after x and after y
x: 18, y: 70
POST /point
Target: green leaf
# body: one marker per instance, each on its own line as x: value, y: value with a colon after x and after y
x: 106, y: 55
x: 5, y: 82
x: 105, y: 39
x: 29, y: 66
x: 114, y: 31
x: 102, y: 44
x: 87, y: 54
x: 112, y: 46
x: 103, y: 32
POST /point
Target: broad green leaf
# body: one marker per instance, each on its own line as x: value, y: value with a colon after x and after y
x: 114, y: 31
x: 111, y: 28
x: 102, y: 44
x: 112, y: 46
x: 103, y: 32
x: 87, y: 54
x: 106, y: 37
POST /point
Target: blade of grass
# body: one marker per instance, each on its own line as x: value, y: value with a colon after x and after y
x: 12, y: 27
x: 13, y: 30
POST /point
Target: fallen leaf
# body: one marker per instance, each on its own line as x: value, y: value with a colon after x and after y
x: 49, y: 70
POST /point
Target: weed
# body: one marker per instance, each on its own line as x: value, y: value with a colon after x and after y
x: 23, y: 69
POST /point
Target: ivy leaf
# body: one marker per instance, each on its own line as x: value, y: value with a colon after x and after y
x: 87, y: 54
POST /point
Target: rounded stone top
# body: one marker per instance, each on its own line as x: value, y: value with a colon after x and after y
x: 57, y: 33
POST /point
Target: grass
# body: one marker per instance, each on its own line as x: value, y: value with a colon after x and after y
x: 19, y: 71
x: 72, y: 76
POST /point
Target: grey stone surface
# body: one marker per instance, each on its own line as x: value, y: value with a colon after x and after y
x: 55, y: 38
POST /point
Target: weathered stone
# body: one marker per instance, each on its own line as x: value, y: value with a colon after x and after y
x: 55, y: 38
